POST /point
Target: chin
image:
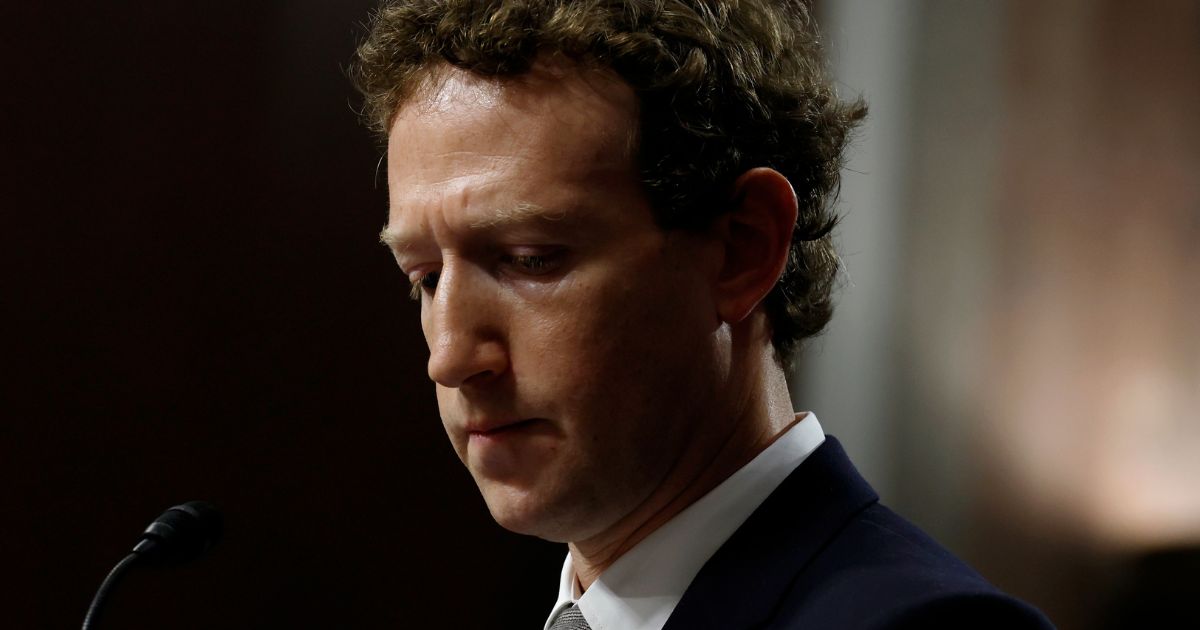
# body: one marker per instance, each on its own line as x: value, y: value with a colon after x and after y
x: 520, y: 513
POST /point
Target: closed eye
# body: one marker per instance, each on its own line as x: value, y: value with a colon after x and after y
x: 544, y: 262
x: 426, y: 283
x: 534, y: 263
x: 526, y: 264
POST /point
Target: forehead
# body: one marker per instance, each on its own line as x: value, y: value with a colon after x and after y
x: 478, y: 144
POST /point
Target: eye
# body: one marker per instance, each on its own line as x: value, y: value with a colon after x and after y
x: 533, y: 264
x: 426, y: 283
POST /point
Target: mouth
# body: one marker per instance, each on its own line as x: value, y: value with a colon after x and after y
x: 501, y: 429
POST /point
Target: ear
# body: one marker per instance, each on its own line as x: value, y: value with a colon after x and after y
x: 756, y: 236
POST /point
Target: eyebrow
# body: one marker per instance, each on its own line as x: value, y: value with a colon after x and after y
x: 523, y: 212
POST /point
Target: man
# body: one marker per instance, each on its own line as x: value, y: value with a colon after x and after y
x: 614, y: 215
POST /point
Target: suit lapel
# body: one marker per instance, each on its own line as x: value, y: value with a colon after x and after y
x: 740, y: 585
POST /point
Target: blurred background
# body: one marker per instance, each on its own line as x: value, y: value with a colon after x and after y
x: 1015, y: 358
x: 196, y: 308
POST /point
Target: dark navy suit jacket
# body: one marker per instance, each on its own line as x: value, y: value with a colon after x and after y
x: 822, y: 553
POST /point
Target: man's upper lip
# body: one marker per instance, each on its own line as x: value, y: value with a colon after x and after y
x: 484, y: 425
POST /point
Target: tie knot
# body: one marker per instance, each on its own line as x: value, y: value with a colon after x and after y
x: 570, y: 619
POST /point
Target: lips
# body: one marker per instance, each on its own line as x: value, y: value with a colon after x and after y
x: 493, y: 427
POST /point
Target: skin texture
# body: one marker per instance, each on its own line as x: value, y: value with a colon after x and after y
x: 595, y: 373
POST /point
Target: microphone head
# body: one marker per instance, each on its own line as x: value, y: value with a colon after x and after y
x: 182, y: 534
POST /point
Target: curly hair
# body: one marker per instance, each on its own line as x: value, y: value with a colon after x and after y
x: 723, y: 85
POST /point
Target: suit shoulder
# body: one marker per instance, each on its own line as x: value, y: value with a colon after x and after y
x: 983, y: 611
x: 880, y: 571
x: 877, y: 545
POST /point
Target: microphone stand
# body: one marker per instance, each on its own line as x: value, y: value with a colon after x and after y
x: 179, y: 535
x: 114, y: 576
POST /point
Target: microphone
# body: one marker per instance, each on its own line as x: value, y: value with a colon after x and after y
x: 181, y: 534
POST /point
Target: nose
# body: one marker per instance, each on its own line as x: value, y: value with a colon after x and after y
x: 462, y: 329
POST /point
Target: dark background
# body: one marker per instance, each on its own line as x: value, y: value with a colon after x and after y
x: 196, y: 308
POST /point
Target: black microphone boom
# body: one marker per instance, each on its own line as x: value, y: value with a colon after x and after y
x: 181, y: 534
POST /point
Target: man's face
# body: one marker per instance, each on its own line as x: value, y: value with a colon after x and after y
x: 568, y: 334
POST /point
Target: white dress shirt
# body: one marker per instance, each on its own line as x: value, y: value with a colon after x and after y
x: 641, y: 589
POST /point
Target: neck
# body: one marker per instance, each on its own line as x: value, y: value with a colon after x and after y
x: 761, y: 416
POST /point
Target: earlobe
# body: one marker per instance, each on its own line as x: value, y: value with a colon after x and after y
x: 757, y: 236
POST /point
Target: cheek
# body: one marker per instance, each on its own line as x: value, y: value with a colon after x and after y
x: 584, y: 327
x: 613, y: 344
x: 446, y: 400
x: 558, y: 361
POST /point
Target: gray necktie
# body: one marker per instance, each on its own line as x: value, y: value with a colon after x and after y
x: 570, y: 619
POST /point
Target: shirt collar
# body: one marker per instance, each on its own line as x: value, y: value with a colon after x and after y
x: 640, y: 590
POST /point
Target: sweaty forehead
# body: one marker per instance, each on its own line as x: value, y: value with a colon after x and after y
x: 561, y: 121
x: 465, y: 144
x: 548, y: 86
